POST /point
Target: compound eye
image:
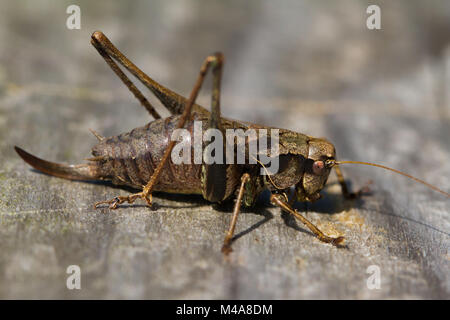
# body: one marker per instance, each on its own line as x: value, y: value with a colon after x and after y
x: 318, y: 167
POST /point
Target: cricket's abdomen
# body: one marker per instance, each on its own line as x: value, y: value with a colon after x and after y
x: 131, y: 158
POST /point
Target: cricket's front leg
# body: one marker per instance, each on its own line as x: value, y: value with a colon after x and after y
x: 347, y: 194
x: 280, y: 201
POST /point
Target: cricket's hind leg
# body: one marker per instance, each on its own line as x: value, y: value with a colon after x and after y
x: 175, y: 103
x: 214, y: 61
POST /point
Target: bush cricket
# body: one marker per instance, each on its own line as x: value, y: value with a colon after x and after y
x: 141, y: 158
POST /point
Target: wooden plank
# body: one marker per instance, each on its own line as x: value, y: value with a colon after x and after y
x: 373, y: 107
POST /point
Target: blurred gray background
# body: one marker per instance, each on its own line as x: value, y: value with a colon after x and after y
x: 310, y: 66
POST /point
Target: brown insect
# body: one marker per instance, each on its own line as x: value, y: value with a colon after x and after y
x: 141, y: 158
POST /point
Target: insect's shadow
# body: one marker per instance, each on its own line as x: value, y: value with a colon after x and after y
x: 194, y: 201
x: 259, y: 209
x: 389, y: 211
x: 263, y: 203
x: 331, y: 203
x: 425, y: 225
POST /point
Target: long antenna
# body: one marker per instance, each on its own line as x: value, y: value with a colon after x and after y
x: 333, y: 162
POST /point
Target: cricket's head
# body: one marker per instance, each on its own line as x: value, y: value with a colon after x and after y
x: 321, y: 159
x: 316, y: 170
x: 309, y: 174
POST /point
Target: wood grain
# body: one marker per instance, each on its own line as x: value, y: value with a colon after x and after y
x: 378, y: 96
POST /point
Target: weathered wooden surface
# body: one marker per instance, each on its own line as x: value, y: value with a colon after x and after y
x: 380, y: 96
